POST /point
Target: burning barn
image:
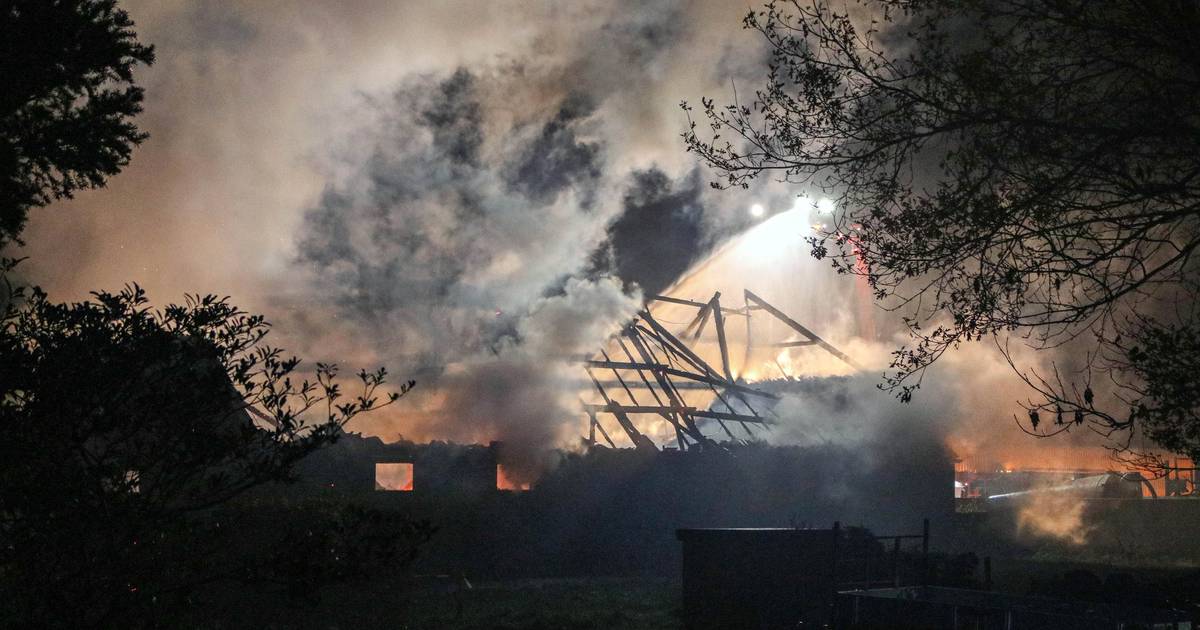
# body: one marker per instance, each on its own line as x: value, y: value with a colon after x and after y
x: 681, y: 407
x: 654, y: 383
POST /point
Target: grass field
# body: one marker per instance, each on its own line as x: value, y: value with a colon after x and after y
x: 603, y: 603
x: 533, y: 604
x: 568, y: 604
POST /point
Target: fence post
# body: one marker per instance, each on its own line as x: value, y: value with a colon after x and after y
x: 896, y: 562
x: 833, y: 584
x: 925, y: 554
x: 867, y: 564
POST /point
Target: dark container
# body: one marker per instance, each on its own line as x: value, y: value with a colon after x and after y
x: 758, y: 578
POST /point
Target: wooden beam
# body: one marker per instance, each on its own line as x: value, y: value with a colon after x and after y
x: 665, y: 383
x: 635, y: 436
x: 625, y: 365
x: 791, y: 344
x: 596, y: 425
x: 802, y: 330
x: 672, y: 300
x: 749, y: 340
x: 666, y: 336
x: 719, y: 322
x: 615, y: 408
x: 740, y: 417
x: 679, y: 432
x: 633, y: 399
x: 664, y: 369
x: 702, y: 318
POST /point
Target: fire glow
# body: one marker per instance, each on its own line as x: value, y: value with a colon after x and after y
x: 504, y: 482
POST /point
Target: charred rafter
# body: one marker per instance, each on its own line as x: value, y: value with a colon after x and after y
x: 656, y: 367
x: 809, y: 335
x: 660, y: 364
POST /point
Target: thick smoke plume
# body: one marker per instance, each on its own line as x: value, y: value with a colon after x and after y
x: 482, y: 226
x: 451, y: 250
x: 851, y: 410
x: 400, y: 184
x: 524, y: 394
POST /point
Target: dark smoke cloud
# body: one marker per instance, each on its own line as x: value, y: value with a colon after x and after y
x: 441, y: 245
x: 254, y: 112
x: 428, y: 223
x: 557, y: 158
x: 455, y: 117
x: 659, y: 233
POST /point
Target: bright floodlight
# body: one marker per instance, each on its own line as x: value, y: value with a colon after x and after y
x: 757, y: 210
x: 825, y: 206
x: 775, y: 238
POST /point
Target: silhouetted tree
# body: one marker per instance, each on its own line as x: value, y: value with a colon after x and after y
x: 125, y: 428
x: 127, y: 433
x: 1002, y: 167
x: 67, y: 103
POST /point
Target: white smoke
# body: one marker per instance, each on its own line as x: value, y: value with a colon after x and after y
x: 523, y: 395
x: 320, y: 164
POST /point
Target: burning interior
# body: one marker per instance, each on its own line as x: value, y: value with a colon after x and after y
x: 660, y: 386
x: 394, y: 477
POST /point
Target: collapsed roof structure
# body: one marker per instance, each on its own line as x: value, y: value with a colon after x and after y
x: 645, y: 375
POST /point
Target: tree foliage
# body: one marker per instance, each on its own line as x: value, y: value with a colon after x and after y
x: 68, y: 101
x: 125, y: 427
x: 131, y: 437
x: 1003, y: 167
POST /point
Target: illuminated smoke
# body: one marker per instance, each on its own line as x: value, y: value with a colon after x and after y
x: 1055, y: 515
x: 523, y: 394
x: 332, y: 167
x: 969, y: 397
